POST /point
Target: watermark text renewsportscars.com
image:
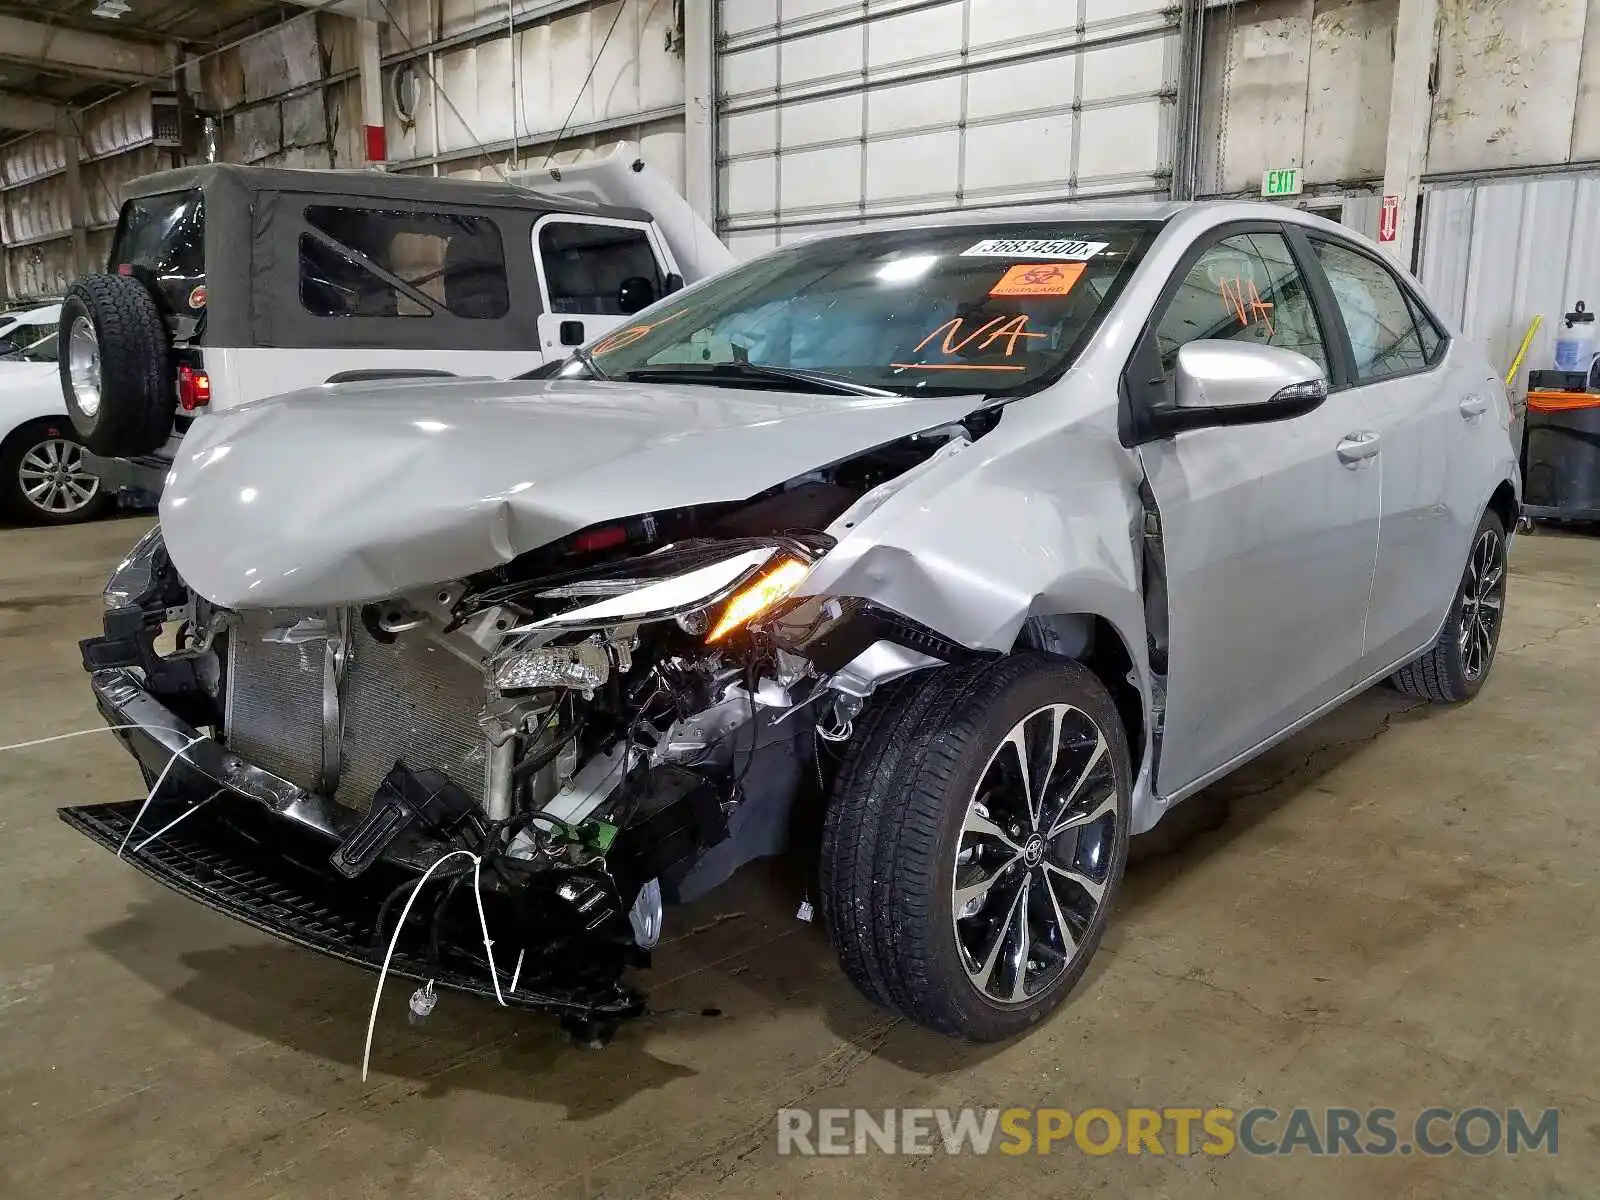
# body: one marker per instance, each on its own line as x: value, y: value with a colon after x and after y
x: 1437, y: 1130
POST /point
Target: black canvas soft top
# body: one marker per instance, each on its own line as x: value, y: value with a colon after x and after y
x: 255, y: 218
x: 230, y: 181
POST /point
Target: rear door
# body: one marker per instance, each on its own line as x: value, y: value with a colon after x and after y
x: 1417, y: 401
x: 1269, y: 531
x: 594, y: 272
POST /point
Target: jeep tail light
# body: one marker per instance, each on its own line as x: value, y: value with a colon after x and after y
x: 194, y: 388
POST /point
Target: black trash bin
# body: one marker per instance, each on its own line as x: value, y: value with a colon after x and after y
x: 1561, y: 447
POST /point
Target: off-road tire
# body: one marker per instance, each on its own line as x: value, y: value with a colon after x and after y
x: 893, y: 823
x: 137, y: 392
x: 1441, y: 674
x: 14, y: 503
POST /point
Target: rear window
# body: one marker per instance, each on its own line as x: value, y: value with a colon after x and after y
x: 367, y: 262
x: 165, y: 236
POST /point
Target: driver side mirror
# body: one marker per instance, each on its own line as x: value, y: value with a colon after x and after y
x: 1220, y: 382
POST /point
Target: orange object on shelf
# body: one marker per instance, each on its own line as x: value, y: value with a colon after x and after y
x: 1562, y: 401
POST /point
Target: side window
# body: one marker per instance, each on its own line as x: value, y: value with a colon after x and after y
x: 395, y: 263
x: 1432, y: 336
x: 599, y: 270
x: 1246, y: 288
x: 1383, y: 329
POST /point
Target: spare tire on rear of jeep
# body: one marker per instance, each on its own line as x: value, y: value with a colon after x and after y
x: 116, y: 372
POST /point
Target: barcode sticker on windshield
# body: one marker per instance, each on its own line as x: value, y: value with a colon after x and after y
x: 1056, y: 248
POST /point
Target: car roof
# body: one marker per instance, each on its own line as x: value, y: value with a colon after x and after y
x: 245, y: 181
x: 45, y: 314
x: 1199, y: 213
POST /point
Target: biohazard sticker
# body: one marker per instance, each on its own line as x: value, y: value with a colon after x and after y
x: 1047, y: 248
x: 1040, y: 279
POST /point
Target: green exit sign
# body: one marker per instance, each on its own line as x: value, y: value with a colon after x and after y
x: 1281, y: 183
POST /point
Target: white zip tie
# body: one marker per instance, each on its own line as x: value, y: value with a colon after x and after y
x: 61, y: 737
x: 372, y: 1020
x: 383, y: 974
x: 156, y: 787
x: 183, y: 816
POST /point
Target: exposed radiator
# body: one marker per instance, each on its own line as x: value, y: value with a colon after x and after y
x: 412, y: 700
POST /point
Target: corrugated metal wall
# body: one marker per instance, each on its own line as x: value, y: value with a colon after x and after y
x: 1496, y: 254
x: 831, y: 112
x: 116, y: 141
x: 602, y: 72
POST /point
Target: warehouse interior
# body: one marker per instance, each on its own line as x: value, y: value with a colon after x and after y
x: 1383, y: 910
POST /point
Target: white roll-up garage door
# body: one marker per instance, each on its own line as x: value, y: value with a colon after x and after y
x: 836, y: 112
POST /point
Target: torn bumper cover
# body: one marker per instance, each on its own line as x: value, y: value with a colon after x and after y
x: 258, y: 850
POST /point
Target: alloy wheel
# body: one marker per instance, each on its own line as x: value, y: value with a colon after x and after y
x: 1483, y: 591
x: 54, y: 478
x: 1034, y: 856
x: 83, y: 366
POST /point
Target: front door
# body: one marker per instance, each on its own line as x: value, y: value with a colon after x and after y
x: 595, y: 272
x: 1269, y: 531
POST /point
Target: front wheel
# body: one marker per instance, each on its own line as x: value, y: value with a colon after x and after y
x: 1455, y: 667
x: 975, y: 842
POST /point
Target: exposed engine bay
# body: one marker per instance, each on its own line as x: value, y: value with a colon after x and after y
x: 605, y: 726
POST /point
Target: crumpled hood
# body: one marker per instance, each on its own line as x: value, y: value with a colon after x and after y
x: 350, y: 493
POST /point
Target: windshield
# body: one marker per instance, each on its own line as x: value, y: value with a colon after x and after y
x: 984, y: 308
x: 43, y: 350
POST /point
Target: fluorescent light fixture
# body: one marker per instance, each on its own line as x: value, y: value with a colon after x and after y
x: 908, y: 269
x: 111, y: 10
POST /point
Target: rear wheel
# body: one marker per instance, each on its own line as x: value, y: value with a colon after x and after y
x: 115, y: 366
x: 1455, y: 667
x: 43, y: 480
x: 975, y: 842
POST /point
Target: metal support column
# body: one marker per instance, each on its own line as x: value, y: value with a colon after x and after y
x: 1186, y: 148
x: 371, y: 71
x: 700, y: 108
x: 1410, y: 114
x: 77, y: 200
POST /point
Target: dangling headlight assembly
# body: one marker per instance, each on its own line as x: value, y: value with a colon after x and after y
x: 775, y: 584
x: 711, y: 590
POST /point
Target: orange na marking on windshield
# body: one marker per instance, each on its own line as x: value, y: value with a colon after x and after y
x: 1012, y: 329
x: 630, y: 335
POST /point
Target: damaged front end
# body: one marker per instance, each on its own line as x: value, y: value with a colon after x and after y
x: 595, y: 730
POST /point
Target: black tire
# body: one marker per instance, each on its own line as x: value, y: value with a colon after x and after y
x: 895, y: 825
x: 136, y: 393
x: 25, y: 452
x: 1455, y: 667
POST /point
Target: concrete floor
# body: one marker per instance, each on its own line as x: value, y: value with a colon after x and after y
x: 1398, y: 911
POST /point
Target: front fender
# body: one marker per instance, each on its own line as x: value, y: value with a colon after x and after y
x: 994, y: 536
x: 998, y: 534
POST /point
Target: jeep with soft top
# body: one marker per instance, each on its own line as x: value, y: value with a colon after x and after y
x: 228, y: 284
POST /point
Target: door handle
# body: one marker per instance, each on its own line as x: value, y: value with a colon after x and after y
x: 1356, y: 448
x: 1474, y: 407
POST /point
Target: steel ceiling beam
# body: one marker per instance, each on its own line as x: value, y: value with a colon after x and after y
x: 345, y: 8
x: 79, y: 53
